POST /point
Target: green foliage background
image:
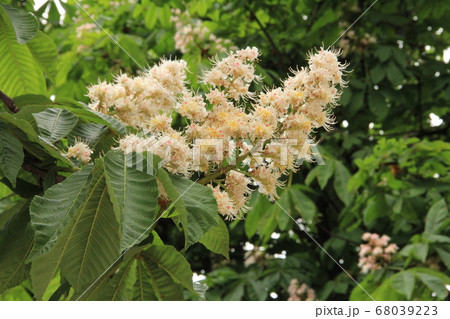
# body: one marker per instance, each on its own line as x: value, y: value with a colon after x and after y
x: 386, y: 172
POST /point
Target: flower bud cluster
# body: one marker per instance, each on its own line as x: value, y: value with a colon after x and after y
x: 300, y: 292
x: 376, y: 253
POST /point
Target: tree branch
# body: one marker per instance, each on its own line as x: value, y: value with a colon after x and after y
x: 9, y: 102
x: 34, y: 170
x: 268, y: 36
x: 41, y: 173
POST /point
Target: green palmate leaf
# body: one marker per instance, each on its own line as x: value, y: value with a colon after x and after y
x: 404, y: 282
x: 31, y: 141
x: 11, y: 154
x: 418, y: 251
x: 31, y: 99
x: 445, y: 256
x: 378, y: 105
x: 18, y: 293
x: 93, y: 238
x: 260, y: 219
x: 194, y: 202
x: 436, y: 217
x: 394, y: 74
x: 383, y: 52
x: 302, y: 204
x: 61, y: 293
x: 45, y: 276
x: 151, y: 16
x: 312, y: 175
x: 346, y: 97
x: 130, y: 44
x: 161, y: 283
x: 341, y: 178
x: 44, y: 268
x: 324, y: 173
x: 377, y: 291
x: 433, y: 282
x: 54, y: 123
x: 45, y: 53
x: 109, y: 120
x: 16, y: 240
x: 27, y: 111
x: 201, y: 208
x: 167, y: 270
x: 256, y: 290
x: 217, y: 239
x: 118, y: 287
x: 378, y: 73
x: 236, y: 292
x: 283, y: 211
x: 19, y: 73
x: 143, y: 290
x: 7, y: 214
x: 376, y: 208
x: 25, y: 24
x: 52, y: 212
x: 134, y: 192
x: 89, y: 133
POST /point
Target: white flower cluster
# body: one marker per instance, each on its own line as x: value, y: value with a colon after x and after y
x: 300, y: 292
x: 80, y: 151
x: 86, y: 27
x: 376, y: 253
x: 227, y: 121
x: 135, y: 101
x: 194, y: 34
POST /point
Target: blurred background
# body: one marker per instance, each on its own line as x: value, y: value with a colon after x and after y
x: 387, y: 159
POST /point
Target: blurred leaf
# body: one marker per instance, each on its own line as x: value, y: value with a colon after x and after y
x: 394, y: 74
x: 436, y: 217
x: 11, y: 154
x: 377, y: 73
x: 376, y: 208
x: 19, y: 73
x: 377, y: 105
x: 151, y: 16
x: 324, y: 173
x: 302, y: 204
x: 383, y: 52
x: 45, y: 53
x: 404, y: 282
x: 341, y: 178
x: 434, y: 283
x: 419, y: 251
x: 16, y: 240
x: 445, y: 256
x: 217, y: 239
x: 25, y: 24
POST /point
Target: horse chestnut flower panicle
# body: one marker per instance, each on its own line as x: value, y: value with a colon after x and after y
x: 300, y: 292
x: 221, y: 124
x: 80, y: 151
x: 376, y: 253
